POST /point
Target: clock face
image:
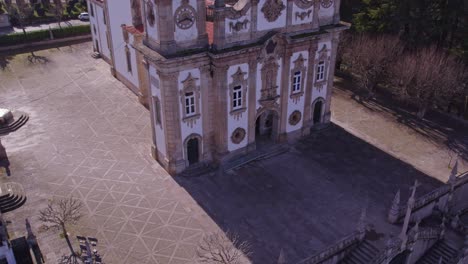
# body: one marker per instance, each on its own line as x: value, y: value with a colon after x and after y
x: 185, y: 17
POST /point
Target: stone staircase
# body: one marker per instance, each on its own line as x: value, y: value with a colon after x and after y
x: 440, y: 253
x: 19, y: 119
x: 11, y: 197
x: 198, y: 169
x: 256, y: 155
x: 362, y: 254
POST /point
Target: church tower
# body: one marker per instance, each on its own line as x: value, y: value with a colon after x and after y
x: 175, y: 25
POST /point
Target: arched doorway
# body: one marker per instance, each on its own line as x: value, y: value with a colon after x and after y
x: 266, y: 127
x: 317, y: 115
x: 193, y: 150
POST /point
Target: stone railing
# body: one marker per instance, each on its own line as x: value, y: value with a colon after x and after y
x: 427, y: 199
x: 336, y: 249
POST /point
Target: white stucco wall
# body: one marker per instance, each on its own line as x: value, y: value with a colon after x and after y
x: 242, y: 121
x: 97, y: 21
x: 326, y: 14
x: 316, y: 93
x: 118, y: 15
x: 152, y: 31
x: 155, y: 84
x: 185, y: 34
x: 262, y: 22
x: 298, y: 105
x: 188, y: 128
x: 296, y: 20
x: 247, y: 17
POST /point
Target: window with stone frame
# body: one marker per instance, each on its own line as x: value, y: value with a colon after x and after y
x: 237, y: 97
x: 129, y: 59
x: 189, y: 103
x: 190, y: 99
x: 238, y: 92
x: 157, y: 107
x: 321, y: 69
x: 297, y: 77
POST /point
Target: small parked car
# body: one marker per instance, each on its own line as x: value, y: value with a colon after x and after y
x: 84, y: 16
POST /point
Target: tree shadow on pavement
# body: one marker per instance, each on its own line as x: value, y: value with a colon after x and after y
x: 34, y: 59
x: 5, y: 61
x: 437, y: 127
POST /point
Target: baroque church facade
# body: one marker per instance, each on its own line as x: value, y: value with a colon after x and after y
x: 222, y: 77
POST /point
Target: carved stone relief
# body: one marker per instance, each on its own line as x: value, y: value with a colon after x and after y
x: 238, y: 135
x: 272, y: 9
x: 326, y: 3
x: 269, y: 90
x: 295, y: 118
x: 303, y: 15
x: 304, y: 4
x: 238, y: 26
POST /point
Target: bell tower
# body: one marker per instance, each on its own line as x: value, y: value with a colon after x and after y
x: 175, y: 25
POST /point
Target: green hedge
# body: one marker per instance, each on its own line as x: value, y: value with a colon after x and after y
x: 33, y: 36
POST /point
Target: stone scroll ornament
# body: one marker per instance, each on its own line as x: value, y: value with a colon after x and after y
x: 304, y: 4
x: 326, y: 3
x: 272, y: 9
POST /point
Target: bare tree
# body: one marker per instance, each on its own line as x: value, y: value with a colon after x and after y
x: 427, y: 77
x: 368, y: 58
x: 57, y: 10
x: 223, y: 248
x: 60, y: 213
x: 21, y: 13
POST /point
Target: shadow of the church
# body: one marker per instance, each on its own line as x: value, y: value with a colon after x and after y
x: 309, y: 197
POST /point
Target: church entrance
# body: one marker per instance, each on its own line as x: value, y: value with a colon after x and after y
x: 318, y: 112
x: 192, y: 151
x: 266, y: 127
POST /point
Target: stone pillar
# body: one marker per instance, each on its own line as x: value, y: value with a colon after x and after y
x: 253, y: 21
x: 207, y: 115
x: 166, y: 26
x: 284, y: 99
x: 201, y: 23
x: 315, y: 19
x: 220, y: 86
x: 289, y: 14
x: 252, y: 101
x: 307, y: 116
x: 219, y: 27
x: 171, y: 115
x: 331, y: 77
x: 143, y: 77
x: 152, y: 110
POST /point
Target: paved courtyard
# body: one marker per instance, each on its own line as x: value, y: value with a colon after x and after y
x: 88, y: 136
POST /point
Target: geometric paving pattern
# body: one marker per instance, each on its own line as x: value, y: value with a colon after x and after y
x: 89, y: 137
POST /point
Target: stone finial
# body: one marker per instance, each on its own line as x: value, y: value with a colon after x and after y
x: 453, y: 173
x: 281, y: 258
x: 219, y: 3
x: 394, y: 209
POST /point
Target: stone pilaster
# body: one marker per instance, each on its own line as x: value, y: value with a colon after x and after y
x: 331, y: 77
x: 143, y: 75
x: 166, y: 25
x: 251, y: 108
x: 253, y: 25
x: 170, y: 106
x: 309, y: 88
x: 220, y: 86
x: 289, y: 14
x: 201, y: 23
x: 207, y: 113
x: 284, y: 99
x: 315, y: 19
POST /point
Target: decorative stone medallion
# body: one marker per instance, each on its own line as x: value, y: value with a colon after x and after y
x: 150, y: 17
x: 238, y: 135
x: 272, y: 9
x: 304, y: 4
x: 185, y: 15
x: 326, y: 3
x: 294, y: 118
